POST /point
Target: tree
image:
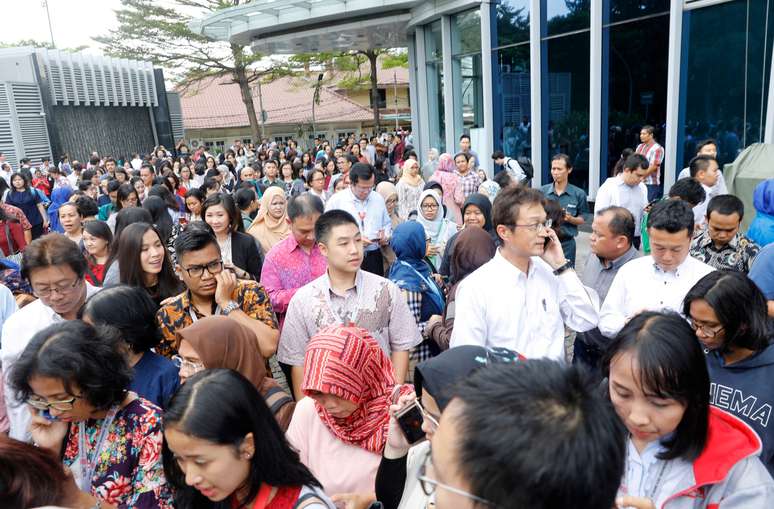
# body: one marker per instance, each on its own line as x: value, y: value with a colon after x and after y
x: 160, y: 33
x: 39, y: 44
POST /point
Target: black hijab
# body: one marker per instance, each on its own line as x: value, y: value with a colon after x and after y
x: 484, y: 205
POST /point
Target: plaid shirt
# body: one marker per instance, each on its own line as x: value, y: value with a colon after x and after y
x: 469, y: 182
x: 654, y: 153
x: 739, y: 254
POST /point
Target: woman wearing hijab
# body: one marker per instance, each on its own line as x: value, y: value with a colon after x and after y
x: 340, y: 429
x: 413, y: 276
x: 409, y: 188
x: 389, y: 192
x: 473, y: 248
x: 477, y: 211
x: 59, y: 197
x: 271, y: 225
x: 397, y: 483
x: 453, y: 196
x: 220, y: 342
x: 438, y: 230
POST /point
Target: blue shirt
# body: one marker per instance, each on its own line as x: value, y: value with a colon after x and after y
x: 573, y: 200
x: 155, y: 378
x: 371, y: 214
x: 762, y: 271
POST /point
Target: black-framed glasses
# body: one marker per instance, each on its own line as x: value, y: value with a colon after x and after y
x: 212, y: 267
x: 534, y: 227
x: 60, y: 289
x: 429, y: 485
x: 62, y: 405
x: 429, y: 206
x: 707, y: 331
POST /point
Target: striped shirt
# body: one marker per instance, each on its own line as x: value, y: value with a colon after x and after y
x: 654, y: 153
x: 469, y: 182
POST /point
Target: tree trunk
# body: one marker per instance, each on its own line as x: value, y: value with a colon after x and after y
x: 372, y: 56
x: 240, y: 77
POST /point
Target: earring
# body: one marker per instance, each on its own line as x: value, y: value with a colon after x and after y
x: 247, y: 455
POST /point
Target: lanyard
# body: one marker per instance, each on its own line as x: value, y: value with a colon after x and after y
x: 360, y: 298
x: 89, y: 465
x: 260, y: 501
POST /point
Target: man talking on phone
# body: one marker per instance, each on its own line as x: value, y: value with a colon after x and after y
x: 523, y: 298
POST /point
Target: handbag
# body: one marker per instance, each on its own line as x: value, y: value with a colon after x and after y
x: 13, y: 257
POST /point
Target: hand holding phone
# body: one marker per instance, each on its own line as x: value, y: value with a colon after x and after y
x: 410, y: 421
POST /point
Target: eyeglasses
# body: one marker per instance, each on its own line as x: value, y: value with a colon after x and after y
x: 706, y: 331
x: 61, y: 405
x: 429, y: 206
x: 427, y: 415
x: 198, y: 270
x: 190, y: 366
x: 535, y: 227
x: 60, y: 289
x: 430, y: 485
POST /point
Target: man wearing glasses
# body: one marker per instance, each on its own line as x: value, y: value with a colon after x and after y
x: 368, y: 208
x: 213, y: 290
x: 55, y: 269
x: 524, y: 296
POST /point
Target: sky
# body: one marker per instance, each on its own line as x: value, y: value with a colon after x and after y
x: 74, y: 22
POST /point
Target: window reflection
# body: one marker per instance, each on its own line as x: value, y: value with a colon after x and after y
x: 564, y: 16
x: 434, y: 67
x: 512, y: 22
x: 466, y: 72
x: 512, y: 101
x: 628, y: 9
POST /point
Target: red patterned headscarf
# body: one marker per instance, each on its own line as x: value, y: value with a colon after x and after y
x: 347, y: 362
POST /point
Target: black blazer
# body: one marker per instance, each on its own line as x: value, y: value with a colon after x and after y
x: 246, y: 255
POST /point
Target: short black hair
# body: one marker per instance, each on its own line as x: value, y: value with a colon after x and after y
x: 648, y: 128
x: 621, y: 222
x: 726, y: 204
x: 704, y: 143
x: 210, y: 183
x: 86, y: 206
x: 498, y: 154
x: 245, y: 196
x: 113, y: 185
x: 671, y: 215
x: 465, y: 136
x: 130, y: 310
x: 509, y: 201
x: 582, y: 450
x: 699, y: 163
x: 305, y: 205
x: 689, y: 190
x: 671, y: 365
x: 53, y: 249
x: 563, y: 157
x: 503, y: 179
x: 636, y: 162
x: 79, y: 355
x: 360, y: 171
x: 195, y: 237
x: 329, y: 220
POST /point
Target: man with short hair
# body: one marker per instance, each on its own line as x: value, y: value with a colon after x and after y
x: 346, y: 294
x: 297, y: 260
x: 708, y: 147
x: 659, y: 281
x: 147, y: 174
x: 110, y: 168
x: 571, y: 198
x: 524, y: 296
x: 628, y: 191
x: 344, y: 164
x: 688, y: 190
x: 534, y: 435
x: 136, y: 162
x: 271, y: 171
x: 367, y: 206
x: 612, y: 246
x: 465, y: 149
x: 211, y: 290
x: 510, y: 165
x: 5, y: 170
x: 720, y: 244
x: 705, y: 170
x: 55, y: 268
x: 654, y: 153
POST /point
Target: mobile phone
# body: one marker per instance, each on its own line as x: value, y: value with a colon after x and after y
x: 410, y: 422
x: 546, y: 242
x: 47, y: 415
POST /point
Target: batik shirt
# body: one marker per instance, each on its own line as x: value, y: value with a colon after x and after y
x: 129, y: 472
x: 739, y: 254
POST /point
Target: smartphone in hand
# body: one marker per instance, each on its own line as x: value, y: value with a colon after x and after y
x: 410, y: 423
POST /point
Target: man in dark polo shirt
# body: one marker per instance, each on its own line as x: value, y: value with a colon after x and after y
x: 572, y: 199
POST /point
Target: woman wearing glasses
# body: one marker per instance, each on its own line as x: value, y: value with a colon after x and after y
x: 220, y: 342
x: 400, y: 481
x: 76, y: 380
x: 438, y: 230
x: 728, y: 314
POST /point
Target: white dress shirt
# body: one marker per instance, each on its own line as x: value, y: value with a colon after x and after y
x: 641, y: 285
x: 18, y: 330
x: 615, y: 192
x: 500, y: 306
x: 700, y: 210
x: 719, y: 187
x: 370, y: 214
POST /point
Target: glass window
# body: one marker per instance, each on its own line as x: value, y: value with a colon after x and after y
x: 564, y: 16
x: 636, y: 83
x: 467, y: 83
x: 628, y: 9
x: 434, y: 67
x: 512, y: 22
x: 512, y: 101
x: 568, y: 104
x: 466, y: 32
x: 725, y: 88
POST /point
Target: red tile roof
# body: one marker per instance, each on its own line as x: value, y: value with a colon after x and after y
x: 217, y: 103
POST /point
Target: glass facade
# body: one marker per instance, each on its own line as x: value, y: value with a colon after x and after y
x: 434, y: 69
x: 467, y: 84
x: 620, y: 10
x: 564, y: 16
x: 512, y: 22
x: 725, y: 89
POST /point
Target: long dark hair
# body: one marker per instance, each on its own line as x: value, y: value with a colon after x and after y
x: 228, y: 203
x: 128, y: 256
x: 123, y: 192
x: 163, y: 192
x: 222, y: 407
x: 161, y: 218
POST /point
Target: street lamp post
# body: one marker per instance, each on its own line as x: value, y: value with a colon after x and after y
x: 44, y: 3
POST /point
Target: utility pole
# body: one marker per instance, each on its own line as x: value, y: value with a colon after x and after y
x: 263, y: 113
x: 316, y: 100
x: 44, y: 3
x: 395, y: 93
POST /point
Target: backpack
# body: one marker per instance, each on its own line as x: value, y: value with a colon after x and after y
x: 526, y: 167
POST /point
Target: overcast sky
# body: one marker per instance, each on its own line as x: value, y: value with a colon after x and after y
x: 74, y: 22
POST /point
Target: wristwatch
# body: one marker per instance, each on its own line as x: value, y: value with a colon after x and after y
x: 559, y: 270
x: 231, y: 306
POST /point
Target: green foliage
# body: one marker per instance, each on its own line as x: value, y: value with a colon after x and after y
x: 354, y: 83
x: 40, y: 44
x: 397, y: 59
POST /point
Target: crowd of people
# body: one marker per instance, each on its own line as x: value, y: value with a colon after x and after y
x: 346, y: 327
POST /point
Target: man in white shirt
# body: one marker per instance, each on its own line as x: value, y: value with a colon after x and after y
x: 525, y: 295
x: 55, y: 268
x: 708, y: 147
x: 136, y: 162
x: 705, y: 170
x: 627, y: 190
x: 5, y: 169
x: 661, y: 280
x: 368, y: 208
